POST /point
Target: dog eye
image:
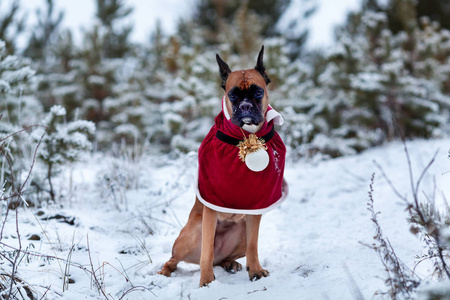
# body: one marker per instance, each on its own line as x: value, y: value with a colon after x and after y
x: 232, y: 97
x: 258, y: 94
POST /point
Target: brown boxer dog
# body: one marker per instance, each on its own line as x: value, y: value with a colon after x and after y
x: 216, y: 238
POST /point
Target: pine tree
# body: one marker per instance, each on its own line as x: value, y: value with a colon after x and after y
x: 115, y: 40
x: 82, y: 78
x: 19, y: 110
x: 211, y: 15
x: 58, y: 81
x: 215, y: 18
x: 63, y: 143
x: 15, y: 76
x: 44, y: 34
x: 184, y: 96
x: 11, y: 26
x: 41, y: 49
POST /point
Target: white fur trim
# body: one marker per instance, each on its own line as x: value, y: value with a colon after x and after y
x: 261, y: 211
x: 224, y: 108
x: 275, y: 116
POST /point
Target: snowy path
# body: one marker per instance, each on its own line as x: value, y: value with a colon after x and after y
x: 312, y: 244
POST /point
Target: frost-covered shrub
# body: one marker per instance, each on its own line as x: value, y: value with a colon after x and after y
x: 13, y: 73
x: 11, y: 165
x: 429, y: 223
x: 15, y: 76
x: 18, y: 111
x: 64, y: 142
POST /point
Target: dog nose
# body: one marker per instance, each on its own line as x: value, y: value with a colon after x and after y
x: 245, y: 106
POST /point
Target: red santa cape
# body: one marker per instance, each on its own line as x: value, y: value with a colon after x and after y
x: 226, y: 184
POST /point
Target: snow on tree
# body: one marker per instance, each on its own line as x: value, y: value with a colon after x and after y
x: 18, y: 111
x: 185, y: 95
x: 86, y: 79
x: 11, y: 25
x: 378, y: 86
x: 44, y: 34
x: 63, y: 143
x: 15, y: 77
x: 22, y: 130
x: 12, y: 71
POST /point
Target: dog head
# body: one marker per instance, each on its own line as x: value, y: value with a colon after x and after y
x: 246, y: 98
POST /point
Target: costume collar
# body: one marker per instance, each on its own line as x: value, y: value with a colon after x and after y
x: 235, y: 142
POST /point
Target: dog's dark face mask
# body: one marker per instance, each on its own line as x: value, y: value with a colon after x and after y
x: 247, y: 105
x: 246, y: 93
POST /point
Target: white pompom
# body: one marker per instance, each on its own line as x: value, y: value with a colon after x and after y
x: 257, y: 161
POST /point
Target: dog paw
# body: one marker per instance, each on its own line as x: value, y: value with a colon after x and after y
x: 257, y: 273
x: 165, y: 271
x: 168, y: 269
x: 231, y: 266
x: 207, y: 279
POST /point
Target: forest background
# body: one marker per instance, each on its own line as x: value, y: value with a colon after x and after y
x: 385, y: 76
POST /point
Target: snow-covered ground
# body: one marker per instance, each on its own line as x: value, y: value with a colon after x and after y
x: 312, y: 245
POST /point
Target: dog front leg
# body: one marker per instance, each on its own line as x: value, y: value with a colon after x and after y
x: 209, y: 222
x: 255, y: 271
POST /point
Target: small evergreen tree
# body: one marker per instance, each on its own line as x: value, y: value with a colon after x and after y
x: 115, y: 42
x: 215, y: 17
x: 15, y: 75
x: 83, y: 78
x: 17, y: 112
x: 63, y: 143
x: 11, y: 25
x: 44, y: 34
x: 212, y: 15
x: 41, y: 48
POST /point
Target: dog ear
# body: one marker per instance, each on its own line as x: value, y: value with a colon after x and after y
x: 260, y: 66
x: 224, y: 70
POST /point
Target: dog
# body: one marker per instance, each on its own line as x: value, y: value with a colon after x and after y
x: 232, y: 194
